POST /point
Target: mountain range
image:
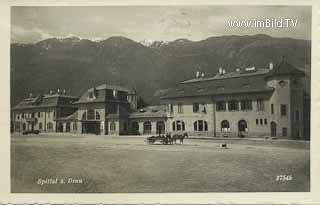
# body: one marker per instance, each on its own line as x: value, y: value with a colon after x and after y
x: 77, y: 64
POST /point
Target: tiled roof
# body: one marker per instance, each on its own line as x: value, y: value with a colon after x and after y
x: 284, y: 68
x: 156, y: 111
x: 43, y: 101
x: 100, y: 96
x: 229, y: 83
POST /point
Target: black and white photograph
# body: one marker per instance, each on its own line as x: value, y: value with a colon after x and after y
x: 160, y: 98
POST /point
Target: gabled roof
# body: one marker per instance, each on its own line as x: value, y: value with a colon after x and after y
x: 284, y: 68
x: 100, y: 93
x: 44, y: 101
x: 231, y: 83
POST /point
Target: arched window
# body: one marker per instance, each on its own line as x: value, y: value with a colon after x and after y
x: 178, y: 125
x: 112, y: 126
x: 97, y: 116
x: 90, y: 115
x: 84, y: 116
x: 225, y: 126
x: 200, y: 125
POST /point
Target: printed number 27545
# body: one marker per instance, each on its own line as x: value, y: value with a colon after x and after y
x: 284, y: 178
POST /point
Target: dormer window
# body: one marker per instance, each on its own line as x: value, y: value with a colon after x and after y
x: 282, y: 83
x: 246, y: 85
x: 91, y: 95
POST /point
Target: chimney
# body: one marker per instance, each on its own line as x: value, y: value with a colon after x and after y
x: 202, y: 75
x: 64, y: 91
x: 220, y: 70
x: 223, y: 71
x: 197, y: 74
x: 238, y: 69
x: 30, y: 95
x: 270, y: 66
x: 51, y: 92
x: 58, y: 91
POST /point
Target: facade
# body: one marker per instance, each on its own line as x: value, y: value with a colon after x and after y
x: 40, y: 112
x: 247, y: 102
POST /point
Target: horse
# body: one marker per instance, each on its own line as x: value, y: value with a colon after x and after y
x: 179, y: 137
x: 168, y: 138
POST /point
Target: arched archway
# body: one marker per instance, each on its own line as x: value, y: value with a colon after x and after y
x: 273, y: 129
x: 242, y: 128
x: 225, y: 126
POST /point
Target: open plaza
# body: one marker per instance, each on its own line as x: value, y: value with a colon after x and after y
x: 68, y: 163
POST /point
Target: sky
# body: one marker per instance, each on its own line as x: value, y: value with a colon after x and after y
x: 149, y: 23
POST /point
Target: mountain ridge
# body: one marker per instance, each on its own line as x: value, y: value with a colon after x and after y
x: 77, y: 64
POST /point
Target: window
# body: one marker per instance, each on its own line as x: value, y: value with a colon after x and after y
x: 265, y: 121
x: 32, y: 115
x: 90, y: 115
x: 84, y: 116
x: 38, y: 114
x: 200, y: 125
x: 246, y: 105
x: 171, y: 108
x: 97, y: 116
x: 284, y: 131
x: 195, y: 107
x: 261, y: 121
x: 221, y: 106
x: 91, y: 95
x: 74, y: 126
x: 147, y: 127
x: 202, y: 107
x: 178, y: 125
x: 233, y: 105
x: 257, y: 121
x: 180, y: 108
x: 22, y: 115
x: 297, y: 115
x: 54, y: 114
x: 272, y: 109
x: 40, y: 126
x: 225, y: 126
x: 283, y: 110
x: 260, y: 104
x: 18, y: 117
x: 112, y: 126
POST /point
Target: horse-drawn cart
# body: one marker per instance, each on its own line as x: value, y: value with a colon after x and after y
x: 161, y: 139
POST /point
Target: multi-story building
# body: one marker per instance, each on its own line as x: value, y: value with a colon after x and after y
x: 40, y: 112
x: 249, y: 102
x: 244, y: 102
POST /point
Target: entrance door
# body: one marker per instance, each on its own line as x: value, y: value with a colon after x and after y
x: 91, y: 127
x: 147, y: 128
x: 273, y: 127
x: 242, y: 128
x: 160, y: 127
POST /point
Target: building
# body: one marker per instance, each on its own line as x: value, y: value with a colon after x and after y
x: 101, y: 110
x: 248, y: 102
x: 40, y: 112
